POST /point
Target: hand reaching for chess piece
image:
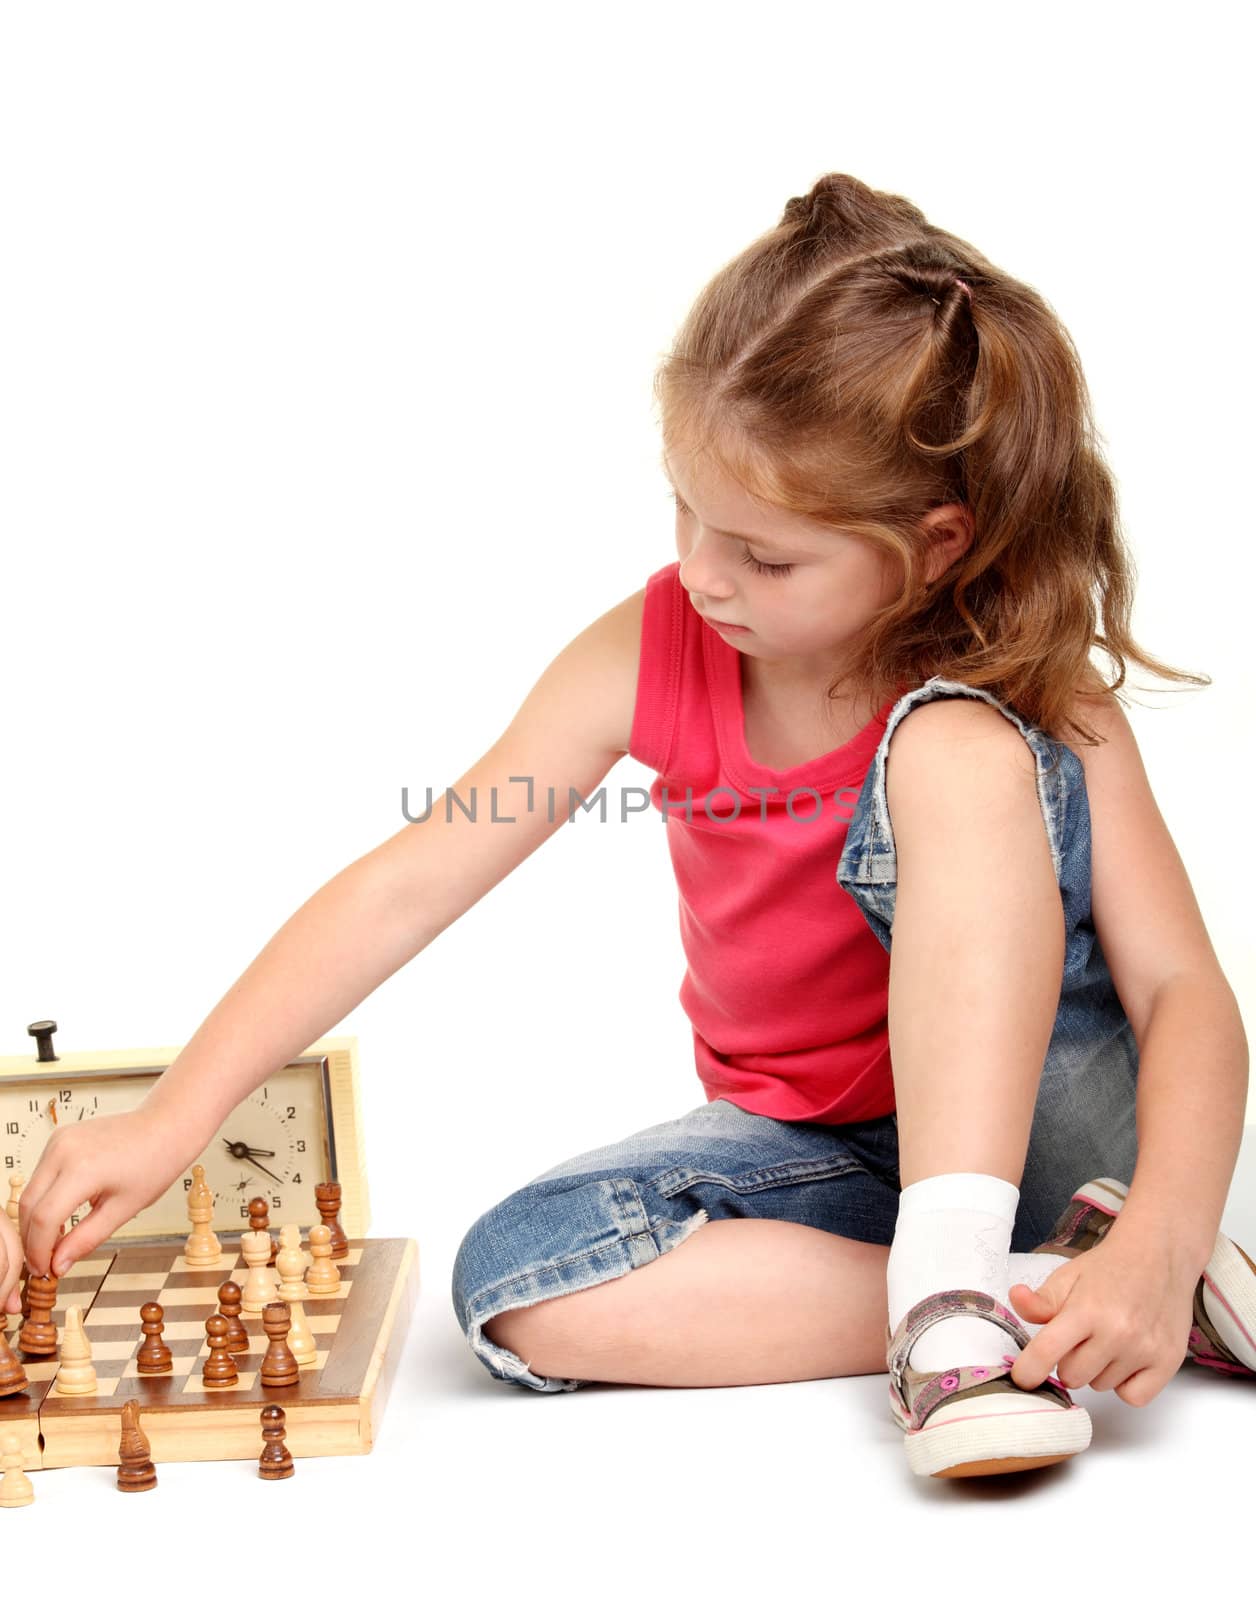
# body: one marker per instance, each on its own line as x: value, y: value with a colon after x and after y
x: 119, y: 1164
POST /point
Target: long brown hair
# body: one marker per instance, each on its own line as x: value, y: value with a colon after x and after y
x: 839, y: 369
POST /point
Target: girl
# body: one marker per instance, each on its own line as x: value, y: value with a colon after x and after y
x: 892, y: 518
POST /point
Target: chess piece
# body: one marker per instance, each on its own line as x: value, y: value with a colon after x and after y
x: 220, y: 1370
x: 275, y: 1460
x: 279, y: 1367
x: 154, y: 1356
x: 12, y: 1373
x: 75, y: 1375
x: 38, y: 1337
x: 323, y: 1277
x: 202, y: 1248
x: 261, y: 1285
x: 259, y: 1221
x: 15, y: 1488
x: 229, y: 1307
x: 291, y: 1265
x: 327, y: 1199
x: 136, y: 1470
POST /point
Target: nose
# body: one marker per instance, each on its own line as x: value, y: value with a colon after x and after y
x: 703, y: 573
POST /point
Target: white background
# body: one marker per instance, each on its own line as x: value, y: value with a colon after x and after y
x: 325, y: 420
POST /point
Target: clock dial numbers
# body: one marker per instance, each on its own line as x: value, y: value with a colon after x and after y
x: 273, y: 1144
x: 31, y: 1113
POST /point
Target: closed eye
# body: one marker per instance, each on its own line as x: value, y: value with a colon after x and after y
x: 775, y: 569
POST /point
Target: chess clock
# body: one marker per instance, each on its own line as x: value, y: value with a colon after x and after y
x: 301, y: 1127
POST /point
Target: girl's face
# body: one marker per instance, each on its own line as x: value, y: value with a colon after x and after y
x: 802, y: 591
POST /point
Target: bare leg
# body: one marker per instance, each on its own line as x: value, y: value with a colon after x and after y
x: 741, y: 1300
x: 978, y: 954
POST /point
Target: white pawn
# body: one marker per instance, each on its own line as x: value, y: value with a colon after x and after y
x: 15, y: 1488
x: 75, y: 1375
x: 323, y: 1276
x: 260, y: 1285
x: 202, y: 1248
x: 291, y: 1266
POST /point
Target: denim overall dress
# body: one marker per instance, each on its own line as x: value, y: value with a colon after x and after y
x: 599, y: 1214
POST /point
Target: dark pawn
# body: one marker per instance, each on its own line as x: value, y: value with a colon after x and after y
x: 137, y: 1470
x: 153, y: 1356
x: 39, y: 1335
x: 259, y: 1221
x: 229, y: 1307
x: 220, y: 1370
x: 279, y: 1365
x: 12, y: 1377
x: 327, y: 1199
x: 275, y: 1460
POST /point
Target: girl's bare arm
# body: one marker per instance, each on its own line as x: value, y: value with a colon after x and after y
x: 357, y: 930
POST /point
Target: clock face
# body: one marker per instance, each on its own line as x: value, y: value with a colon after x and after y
x: 273, y: 1144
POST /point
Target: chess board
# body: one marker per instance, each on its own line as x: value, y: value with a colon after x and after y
x: 334, y: 1408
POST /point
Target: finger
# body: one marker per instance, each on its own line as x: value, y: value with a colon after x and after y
x: 1085, y: 1362
x: 1143, y: 1386
x: 1044, y: 1352
x: 47, y: 1222
x: 31, y: 1198
x: 95, y: 1227
x: 1114, y: 1374
x: 1029, y: 1305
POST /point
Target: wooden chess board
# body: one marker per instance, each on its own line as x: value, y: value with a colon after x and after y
x: 334, y: 1408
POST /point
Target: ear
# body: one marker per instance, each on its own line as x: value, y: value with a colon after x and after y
x: 948, y: 532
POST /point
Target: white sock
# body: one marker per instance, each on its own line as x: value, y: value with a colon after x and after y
x: 1033, y: 1271
x: 953, y: 1232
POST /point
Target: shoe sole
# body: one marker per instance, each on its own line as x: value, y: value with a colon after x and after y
x: 977, y: 1445
x: 1231, y: 1275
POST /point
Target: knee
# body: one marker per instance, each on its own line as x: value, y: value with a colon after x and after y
x: 473, y: 1267
x: 510, y: 1243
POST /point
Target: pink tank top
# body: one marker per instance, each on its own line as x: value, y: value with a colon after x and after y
x: 787, y: 986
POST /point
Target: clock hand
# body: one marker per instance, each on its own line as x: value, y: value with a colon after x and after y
x: 241, y: 1152
x: 266, y: 1170
x: 238, y: 1148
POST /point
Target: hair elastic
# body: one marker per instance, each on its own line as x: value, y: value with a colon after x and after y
x: 962, y: 285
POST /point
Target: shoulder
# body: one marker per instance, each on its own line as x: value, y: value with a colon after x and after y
x: 1098, y: 710
x: 960, y: 734
x: 950, y: 763
x: 604, y: 658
